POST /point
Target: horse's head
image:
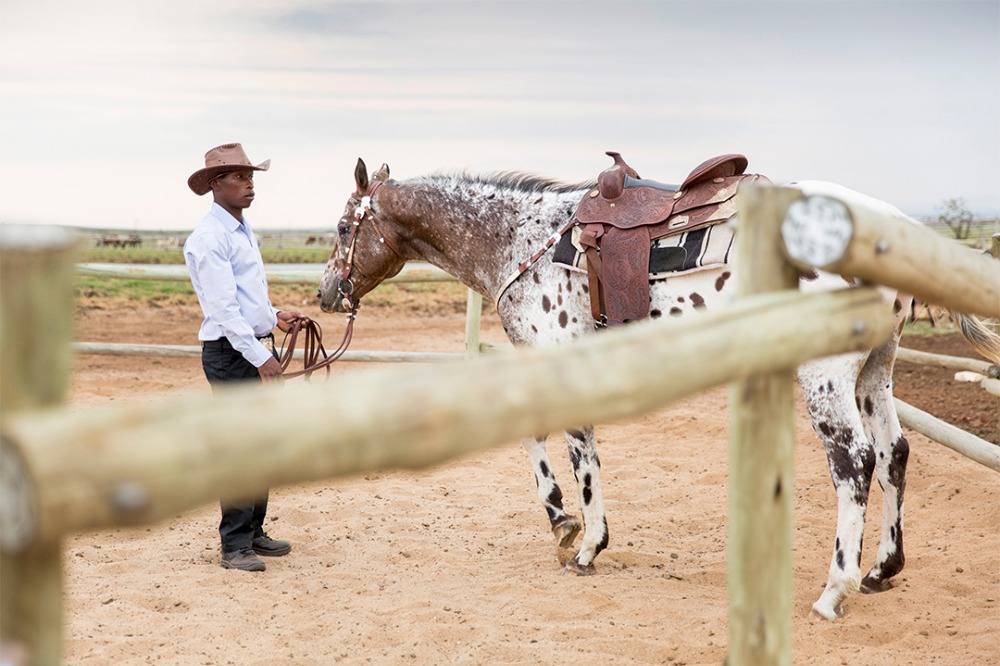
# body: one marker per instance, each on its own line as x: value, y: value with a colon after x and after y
x: 362, y: 256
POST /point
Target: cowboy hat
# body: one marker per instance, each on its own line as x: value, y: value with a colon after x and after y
x: 220, y: 160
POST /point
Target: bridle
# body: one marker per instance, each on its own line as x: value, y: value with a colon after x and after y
x: 363, y: 211
x: 312, y: 333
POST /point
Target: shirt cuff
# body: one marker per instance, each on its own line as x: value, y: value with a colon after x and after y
x: 258, y: 356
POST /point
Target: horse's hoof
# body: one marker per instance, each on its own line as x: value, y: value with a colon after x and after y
x: 566, y: 530
x: 875, y: 585
x: 578, y: 569
x: 826, y: 613
x: 830, y: 604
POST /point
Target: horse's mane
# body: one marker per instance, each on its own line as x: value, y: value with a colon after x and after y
x: 520, y: 181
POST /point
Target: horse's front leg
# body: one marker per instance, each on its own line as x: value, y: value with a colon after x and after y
x: 564, y: 526
x: 587, y: 469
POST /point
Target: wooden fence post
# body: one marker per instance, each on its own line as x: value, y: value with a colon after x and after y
x: 995, y: 251
x: 473, y: 320
x: 36, y: 320
x: 761, y: 455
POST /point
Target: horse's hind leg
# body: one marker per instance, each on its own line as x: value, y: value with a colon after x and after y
x: 878, y: 413
x: 582, y: 446
x: 829, y: 386
x: 564, y: 526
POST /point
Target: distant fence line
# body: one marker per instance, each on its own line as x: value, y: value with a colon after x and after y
x: 276, y: 273
x: 411, y: 273
x: 356, y: 355
x: 288, y: 274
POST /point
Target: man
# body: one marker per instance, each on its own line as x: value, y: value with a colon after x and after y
x: 227, y: 272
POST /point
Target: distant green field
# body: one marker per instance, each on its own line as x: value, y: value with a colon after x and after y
x: 120, y: 246
x: 94, y: 291
x: 166, y: 248
x: 276, y: 248
x: 174, y: 255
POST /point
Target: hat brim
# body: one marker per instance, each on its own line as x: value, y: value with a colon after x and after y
x: 200, y: 181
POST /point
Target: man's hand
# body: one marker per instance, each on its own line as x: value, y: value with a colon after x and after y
x: 270, y: 371
x: 287, y: 319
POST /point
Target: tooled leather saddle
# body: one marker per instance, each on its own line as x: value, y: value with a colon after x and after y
x: 621, y: 217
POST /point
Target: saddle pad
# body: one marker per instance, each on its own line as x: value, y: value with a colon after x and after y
x: 689, y: 251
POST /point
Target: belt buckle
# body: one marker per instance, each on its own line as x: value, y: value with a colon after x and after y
x: 268, y: 343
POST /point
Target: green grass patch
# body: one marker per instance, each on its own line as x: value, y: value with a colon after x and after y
x: 139, y: 255
x: 308, y: 255
x: 88, y: 286
x: 105, y: 291
x: 923, y: 327
x: 132, y: 255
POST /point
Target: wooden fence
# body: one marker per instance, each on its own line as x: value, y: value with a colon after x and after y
x: 67, y: 472
x: 287, y: 274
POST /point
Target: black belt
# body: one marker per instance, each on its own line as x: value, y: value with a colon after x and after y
x: 223, y: 343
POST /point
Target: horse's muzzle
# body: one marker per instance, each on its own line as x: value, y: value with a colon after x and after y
x: 336, y: 298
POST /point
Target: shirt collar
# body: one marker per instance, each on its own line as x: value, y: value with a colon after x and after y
x: 224, y: 216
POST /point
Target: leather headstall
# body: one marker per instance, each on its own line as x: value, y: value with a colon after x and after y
x: 364, y: 211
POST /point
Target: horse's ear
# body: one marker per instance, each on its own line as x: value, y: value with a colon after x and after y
x: 382, y: 173
x: 361, y: 177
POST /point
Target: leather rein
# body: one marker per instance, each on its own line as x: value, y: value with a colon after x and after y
x: 315, y: 356
x: 313, y: 348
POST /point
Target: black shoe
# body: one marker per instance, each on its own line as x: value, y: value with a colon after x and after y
x: 243, y: 559
x: 265, y: 545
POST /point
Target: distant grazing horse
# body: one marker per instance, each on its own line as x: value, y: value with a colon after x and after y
x: 481, y: 229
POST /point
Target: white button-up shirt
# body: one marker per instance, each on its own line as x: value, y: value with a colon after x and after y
x: 227, y: 272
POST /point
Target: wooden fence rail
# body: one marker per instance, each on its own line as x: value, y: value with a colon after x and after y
x: 956, y: 439
x: 355, y: 355
x: 984, y: 368
x: 848, y: 233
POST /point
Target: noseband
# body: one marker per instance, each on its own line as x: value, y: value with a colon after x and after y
x: 362, y: 212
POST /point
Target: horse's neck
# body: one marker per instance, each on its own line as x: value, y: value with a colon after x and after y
x: 476, y: 233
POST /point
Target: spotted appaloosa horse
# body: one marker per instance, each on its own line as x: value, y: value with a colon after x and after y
x: 479, y: 229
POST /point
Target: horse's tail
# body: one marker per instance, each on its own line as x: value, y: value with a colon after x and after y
x: 980, y: 337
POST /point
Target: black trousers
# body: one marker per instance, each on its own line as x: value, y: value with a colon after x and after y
x: 241, y: 521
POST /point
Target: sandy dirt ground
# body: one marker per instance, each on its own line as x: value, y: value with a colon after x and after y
x: 456, y: 565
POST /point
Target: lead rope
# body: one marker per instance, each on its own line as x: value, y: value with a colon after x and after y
x: 312, y: 347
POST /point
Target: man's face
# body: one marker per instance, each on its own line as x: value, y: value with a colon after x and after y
x: 234, y: 190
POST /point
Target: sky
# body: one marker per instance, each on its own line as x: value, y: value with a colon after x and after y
x: 107, y: 106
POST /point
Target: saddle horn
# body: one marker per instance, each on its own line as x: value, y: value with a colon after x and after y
x: 611, y: 181
x: 620, y: 163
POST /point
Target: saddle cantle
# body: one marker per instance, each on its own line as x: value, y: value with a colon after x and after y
x: 622, y: 216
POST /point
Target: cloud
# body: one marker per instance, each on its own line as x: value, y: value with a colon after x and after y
x: 898, y: 100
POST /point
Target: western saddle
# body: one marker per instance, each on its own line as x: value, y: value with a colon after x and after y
x: 624, y: 214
